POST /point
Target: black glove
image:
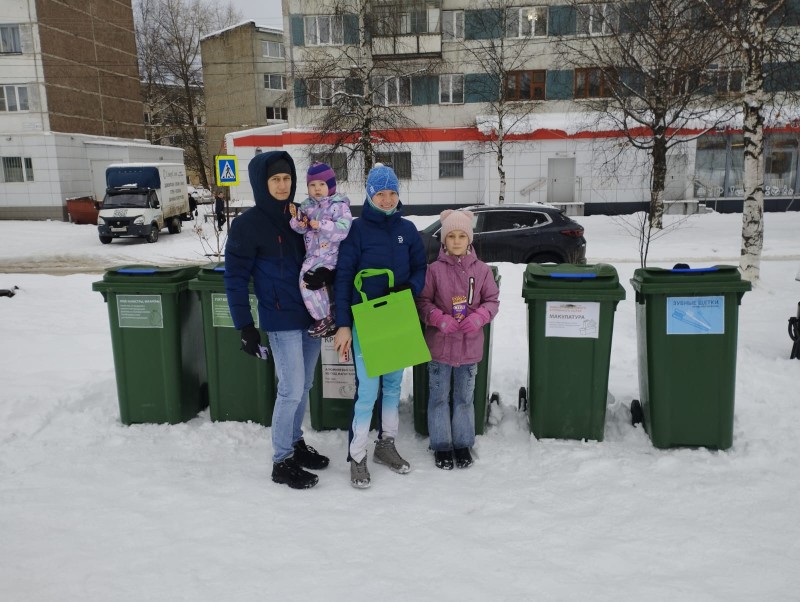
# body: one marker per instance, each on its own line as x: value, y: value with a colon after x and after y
x: 316, y: 279
x: 251, y: 341
x: 398, y: 288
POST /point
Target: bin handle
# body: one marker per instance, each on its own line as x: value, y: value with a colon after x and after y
x: 572, y: 276
x: 696, y: 270
x: 136, y: 271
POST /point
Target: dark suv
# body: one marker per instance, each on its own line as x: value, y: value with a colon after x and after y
x: 518, y: 234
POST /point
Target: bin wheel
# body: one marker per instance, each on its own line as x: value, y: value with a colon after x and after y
x: 106, y: 239
x: 494, y: 398
x: 637, y: 414
x: 522, y: 404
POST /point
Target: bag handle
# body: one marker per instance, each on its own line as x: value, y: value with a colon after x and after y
x: 372, y: 272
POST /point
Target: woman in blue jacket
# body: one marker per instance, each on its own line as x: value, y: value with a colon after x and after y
x: 263, y: 247
x: 380, y: 238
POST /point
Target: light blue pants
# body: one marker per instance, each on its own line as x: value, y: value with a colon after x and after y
x: 458, y: 431
x: 296, y: 356
x: 367, y: 390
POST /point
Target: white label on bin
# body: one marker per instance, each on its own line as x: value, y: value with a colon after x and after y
x: 140, y: 311
x: 338, y: 378
x: 221, y: 312
x: 572, y: 320
x: 696, y: 315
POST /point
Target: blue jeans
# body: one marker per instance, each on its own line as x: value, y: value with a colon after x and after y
x: 367, y: 390
x: 296, y: 356
x: 459, y: 431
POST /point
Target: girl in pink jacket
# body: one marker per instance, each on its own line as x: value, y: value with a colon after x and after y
x: 460, y: 297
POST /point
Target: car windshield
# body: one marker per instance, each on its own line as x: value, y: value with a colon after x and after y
x: 128, y: 199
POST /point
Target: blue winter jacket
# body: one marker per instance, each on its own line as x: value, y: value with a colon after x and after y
x: 261, y: 245
x: 377, y: 240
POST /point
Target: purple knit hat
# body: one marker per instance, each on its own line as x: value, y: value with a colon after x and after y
x: 324, y: 172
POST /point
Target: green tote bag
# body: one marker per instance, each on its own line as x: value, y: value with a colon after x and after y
x: 388, y: 329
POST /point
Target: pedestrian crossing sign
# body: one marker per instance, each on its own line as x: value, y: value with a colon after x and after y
x: 227, y: 172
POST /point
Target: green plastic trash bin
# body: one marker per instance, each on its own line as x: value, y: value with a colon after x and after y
x: 240, y: 387
x: 687, y: 326
x: 421, y: 389
x: 570, y: 323
x: 157, y: 341
x: 331, y: 397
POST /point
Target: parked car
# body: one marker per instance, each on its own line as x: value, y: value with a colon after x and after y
x: 518, y: 234
x: 201, y: 196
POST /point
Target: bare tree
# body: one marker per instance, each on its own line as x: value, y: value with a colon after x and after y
x: 644, y: 69
x: 500, y: 46
x: 168, y: 36
x: 362, y: 84
x: 764, y: 39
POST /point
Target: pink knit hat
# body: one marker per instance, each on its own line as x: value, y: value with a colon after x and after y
x: 456, y: 220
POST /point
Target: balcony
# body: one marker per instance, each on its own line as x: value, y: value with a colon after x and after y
x: 411, y: 46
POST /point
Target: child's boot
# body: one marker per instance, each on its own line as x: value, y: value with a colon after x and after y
x: 463, y: 458
x: 443, y: 459
x: 386, y: 454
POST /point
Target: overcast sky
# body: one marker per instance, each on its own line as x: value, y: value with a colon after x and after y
x: 264, y: 12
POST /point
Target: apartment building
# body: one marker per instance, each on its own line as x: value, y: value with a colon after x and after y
x: 69, y: 100
x: 244, y: 72
x: 560, y: 154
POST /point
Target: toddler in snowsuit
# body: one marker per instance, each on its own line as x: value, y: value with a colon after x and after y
x: 459, y: 298
x: 324, y: 220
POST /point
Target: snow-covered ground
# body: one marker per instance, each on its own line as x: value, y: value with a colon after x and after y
x: 91, y: 510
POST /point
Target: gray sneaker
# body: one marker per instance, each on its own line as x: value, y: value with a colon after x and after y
x: 386, y: 454
x: 359, y: 473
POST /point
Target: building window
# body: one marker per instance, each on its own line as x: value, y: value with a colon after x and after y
x: 525, y: 85
x: 17, y: 169
x: 9, y: 40
x: 727, y: 81
x: 529, y: 21
x: 400, y: 162
x: 591, y: 83
x: 597, y: 19
x: 452, y: 25
x: 281, y: 113
x: 451, y: 89
x: 272, y: 50
x: 14, y: 98
x: 391, y: 91
x: 322, y: 92
x: 337, y: 161
x: 451, y: 164
x: 273, y: 81
x: 324, y: 30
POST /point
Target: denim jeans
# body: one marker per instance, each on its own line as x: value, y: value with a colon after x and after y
x: 459, y: 431
x: 367, y: 390
x: 296, y: 356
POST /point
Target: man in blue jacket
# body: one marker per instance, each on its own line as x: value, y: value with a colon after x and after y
x: 263, y: 247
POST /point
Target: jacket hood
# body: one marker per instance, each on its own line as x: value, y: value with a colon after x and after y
x: 258, y: 182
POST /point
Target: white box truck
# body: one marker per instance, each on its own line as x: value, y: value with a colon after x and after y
x: 143, y: 198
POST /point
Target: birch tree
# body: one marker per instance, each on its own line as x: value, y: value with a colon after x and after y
x: 763, y: 36
x: 168, y: 36
x: 499, y: 44
x: 644, y: 69
x: 349, y: 69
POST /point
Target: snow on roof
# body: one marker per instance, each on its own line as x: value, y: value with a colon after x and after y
x: 242, y: 24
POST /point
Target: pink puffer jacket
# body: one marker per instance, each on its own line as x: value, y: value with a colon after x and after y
x: 457, y: 281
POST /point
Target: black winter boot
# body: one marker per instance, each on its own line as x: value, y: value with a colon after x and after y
x: 289, y: 473
x: 463, y: 457
x: 443, y: 459
x: 307, y: 457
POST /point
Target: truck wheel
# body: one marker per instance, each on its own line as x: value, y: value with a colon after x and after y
x: 175, y: 225
x: 153, y: 236
x: 106, y: 239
